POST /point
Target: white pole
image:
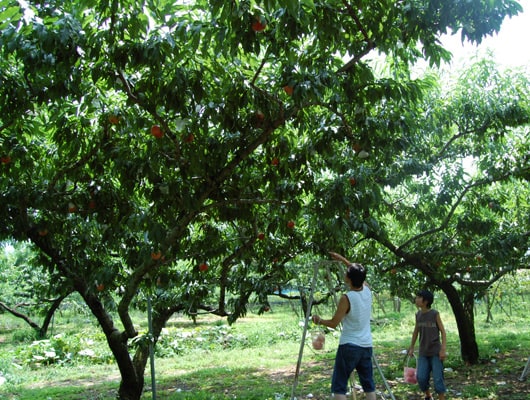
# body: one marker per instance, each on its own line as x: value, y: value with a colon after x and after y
x: 151, y: 346
x: 306, y: 323
x: 525, y: 370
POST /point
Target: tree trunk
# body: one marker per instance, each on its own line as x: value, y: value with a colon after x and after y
x: 160, y: 317
x: 132, y: 375
x: 50, y: 313
x: 397, y: 304
x: 132, y: 379
x: 489, y: 305
x: 133, y: 371
x: 303, y: 301
x: 465, y: 321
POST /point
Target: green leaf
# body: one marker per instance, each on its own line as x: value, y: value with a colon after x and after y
x: 9, y: 16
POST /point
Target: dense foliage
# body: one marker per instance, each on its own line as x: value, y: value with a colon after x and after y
x: 200, y: 153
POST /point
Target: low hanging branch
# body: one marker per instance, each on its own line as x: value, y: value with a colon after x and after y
x: 17, y: 314
x: 41, y: 330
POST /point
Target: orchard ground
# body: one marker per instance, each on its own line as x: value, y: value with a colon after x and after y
x: 256, y: 358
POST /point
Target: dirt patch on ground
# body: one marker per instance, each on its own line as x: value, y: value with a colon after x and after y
x: 490, y: 376
x: 85, y: 382
x: 486, y: 379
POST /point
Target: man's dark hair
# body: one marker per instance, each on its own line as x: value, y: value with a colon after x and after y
x: 357, y: 274
x: 426, y: 296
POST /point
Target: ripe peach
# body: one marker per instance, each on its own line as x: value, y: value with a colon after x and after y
x: 288, y: 89
x: 156, y: 131
x: 259, y: 24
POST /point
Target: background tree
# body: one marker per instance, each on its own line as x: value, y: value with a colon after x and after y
x: 157, y: 144
x: 24, y: 288
x: 450, y: 202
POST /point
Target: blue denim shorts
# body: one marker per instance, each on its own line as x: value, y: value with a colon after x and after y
x: 348, y: 358
x: 425, y: 366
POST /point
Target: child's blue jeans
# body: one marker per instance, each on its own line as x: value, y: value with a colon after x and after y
x: 425, y: 366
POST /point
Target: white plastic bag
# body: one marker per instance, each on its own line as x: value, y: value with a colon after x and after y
x: 409, y: 373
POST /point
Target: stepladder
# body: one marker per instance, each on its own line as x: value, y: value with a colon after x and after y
x: 386, y: 394
x: 526, y: 370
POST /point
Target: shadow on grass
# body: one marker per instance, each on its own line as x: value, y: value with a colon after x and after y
x: 246, y: 383
x: 492, y: 379
x: 96, y: 391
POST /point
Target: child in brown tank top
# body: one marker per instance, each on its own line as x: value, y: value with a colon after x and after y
x: 432, y: 335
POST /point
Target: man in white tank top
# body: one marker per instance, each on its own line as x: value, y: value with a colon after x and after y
x: 355, y: 344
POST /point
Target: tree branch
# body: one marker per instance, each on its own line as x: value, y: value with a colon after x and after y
x: 17, y: 314
x: 355, y: 17
x: 370, y: 45
x: 446, y: 220
x: 342, y: 116
x: 150, y: 110
x: 483, y: 283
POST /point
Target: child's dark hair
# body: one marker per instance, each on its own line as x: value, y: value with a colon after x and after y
x: 357, y: 274
x: 426, y: 296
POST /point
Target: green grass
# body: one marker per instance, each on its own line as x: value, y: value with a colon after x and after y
x: 255, y: 359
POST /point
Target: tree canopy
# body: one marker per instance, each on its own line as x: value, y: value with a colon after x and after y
x: 201, y: 152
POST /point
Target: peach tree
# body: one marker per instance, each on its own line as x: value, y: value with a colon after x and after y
x: 190, y: 151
